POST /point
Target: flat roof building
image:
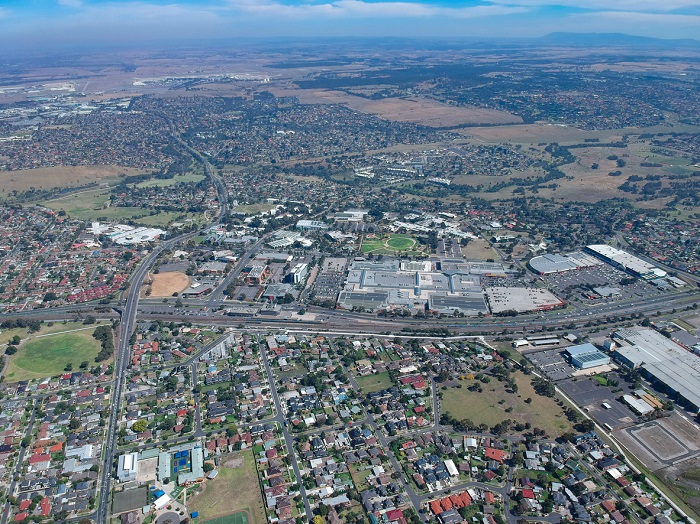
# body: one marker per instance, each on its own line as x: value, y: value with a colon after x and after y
x: 128, y: 467
x: 550, y: 263
x: 668, y: 365
x: 311, y: 225
x: 585, y: 356
x: 626, y: 261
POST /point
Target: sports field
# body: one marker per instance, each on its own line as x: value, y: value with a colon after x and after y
x: 45, y: 355
x: 234, y: 493
x: 241, y: 517
x: 391, y: 245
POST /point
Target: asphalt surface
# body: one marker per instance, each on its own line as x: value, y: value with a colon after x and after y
x: 280, y: 419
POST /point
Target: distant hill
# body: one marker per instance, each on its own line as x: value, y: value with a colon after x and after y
x: 606, y: 39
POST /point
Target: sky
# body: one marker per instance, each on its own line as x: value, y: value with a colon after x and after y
x: 37, y: 24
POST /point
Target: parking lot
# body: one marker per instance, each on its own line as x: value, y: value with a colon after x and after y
x: 552, y: 363
x: 572, y: 284
x: 589, y: 394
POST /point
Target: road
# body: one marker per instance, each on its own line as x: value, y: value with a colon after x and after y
x: 18, y: 467
x: 280, y: 419
x: 128, y: 321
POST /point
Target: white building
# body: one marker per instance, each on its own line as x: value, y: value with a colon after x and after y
x: 128, y: 467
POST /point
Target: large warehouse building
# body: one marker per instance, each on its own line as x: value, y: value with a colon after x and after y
x: 587, y: 356
x: 662, y: 361
x: 626, y: 262
x: 548, y: 264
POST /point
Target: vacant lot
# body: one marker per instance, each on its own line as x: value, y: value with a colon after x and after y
x: 165, y: 284
x: 46, y: 355
x: 489, y: 406
x: 372, y: 383
x: 234, y: 489
x: 55, y: 177
x: 479, y: 249
x: 254, y: 209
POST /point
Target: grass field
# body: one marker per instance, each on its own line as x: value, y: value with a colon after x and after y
x: 240, y: 517
x: 235, y: 489
x: 254, y: 209
x: 46, y: 329
x: 189, y: 178
x: 372, y: 383
x: 484, y: 407
x: 91, y: 205
x: 391, y: 245
x: 61, y: 176
x: 45, y: 355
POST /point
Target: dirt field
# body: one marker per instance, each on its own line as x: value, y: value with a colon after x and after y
x: 52, y: 177
x: 165, y: 284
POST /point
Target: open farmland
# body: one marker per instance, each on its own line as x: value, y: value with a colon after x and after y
x: 93, y: 204
x: 46, y: 178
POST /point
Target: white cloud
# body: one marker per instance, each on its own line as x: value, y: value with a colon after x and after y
x: 650, y: 6
x: 362, y: 9
x: 631, y: 20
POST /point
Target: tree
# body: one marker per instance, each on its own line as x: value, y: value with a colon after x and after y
x: 16, y: 340
x: 318, y: 519
x: 139, y: 426
x: 74, y: 423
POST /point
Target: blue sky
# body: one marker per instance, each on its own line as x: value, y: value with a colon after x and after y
x: 37, y: 23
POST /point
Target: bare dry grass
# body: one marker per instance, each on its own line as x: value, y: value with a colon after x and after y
x: 489, y: 407
x: 419, y: 110
x: 165, y: 284
x: 479, y: 249
x: 59, y: 177
x: 234, y: 489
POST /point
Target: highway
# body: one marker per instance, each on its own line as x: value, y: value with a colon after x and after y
x: 128, y: 320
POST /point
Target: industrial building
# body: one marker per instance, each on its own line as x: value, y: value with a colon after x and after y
x: 548, y: 264
x: 671, y: 367
x: 128, y: 467
x: 585, y: 356
x: 626, y: 262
